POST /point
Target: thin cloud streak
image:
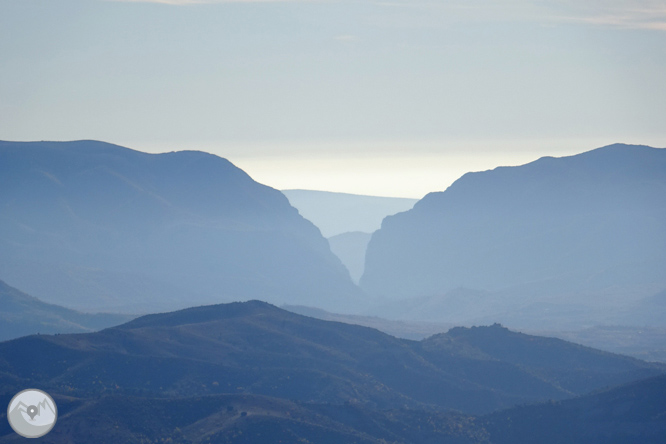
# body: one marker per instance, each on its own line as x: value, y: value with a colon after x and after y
x: 645, y: 14
x: 626, y: 22
x: 627, y: 14
x: 209, y: 2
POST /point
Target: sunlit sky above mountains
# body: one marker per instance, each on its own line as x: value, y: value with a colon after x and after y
x: 375, y: 97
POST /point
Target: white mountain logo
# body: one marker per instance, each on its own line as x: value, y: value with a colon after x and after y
x: 32, y: 413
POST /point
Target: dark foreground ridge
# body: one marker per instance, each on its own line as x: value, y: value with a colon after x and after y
x: 632, y: 413
x: 295, y: 377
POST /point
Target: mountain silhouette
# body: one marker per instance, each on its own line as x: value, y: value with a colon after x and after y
x: 95, y: 226
x: 573, y: 238
x: 255, y: 348
x: 22, y: 314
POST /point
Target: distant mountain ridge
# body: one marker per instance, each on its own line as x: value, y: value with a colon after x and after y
x: 21, y: 315
x: 557, y: 230
x: 337, y: 213
x: 95, y: 226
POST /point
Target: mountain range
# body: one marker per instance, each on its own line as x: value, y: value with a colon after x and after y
x: 251, y: 372
x: 571, y: 243
x: 98, y: 227
x: 256, y: 348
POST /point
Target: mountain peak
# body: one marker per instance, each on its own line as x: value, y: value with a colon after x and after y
x: 493, y: 329
x: 202, y: 314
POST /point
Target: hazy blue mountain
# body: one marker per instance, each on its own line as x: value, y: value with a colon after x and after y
x: 649, y: 311
x: 95, y: 226
x: 574, y: 238
x: 646, y: 343
x: 633, y: 413
x: 336, y: 213
x: 350, y: 248
x: 414, y: 330
x: 22, y: 315
x: 257, y: 349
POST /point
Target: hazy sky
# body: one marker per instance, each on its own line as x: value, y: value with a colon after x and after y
x: 377, y: 97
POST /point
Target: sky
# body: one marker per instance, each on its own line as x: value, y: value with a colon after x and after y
x: 391, y: 98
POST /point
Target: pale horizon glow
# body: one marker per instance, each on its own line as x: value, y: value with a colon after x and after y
x: 385, y: 168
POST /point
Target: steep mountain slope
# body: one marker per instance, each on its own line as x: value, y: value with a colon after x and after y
x: 22, y: 314
x: 96, y: 226
x: 589, y: 228
x: 336, y: 213
x: 256, y: 348
x: 633, y: 413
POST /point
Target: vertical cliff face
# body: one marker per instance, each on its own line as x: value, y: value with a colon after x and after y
x: 101, y: 227
x: 587, y: 222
